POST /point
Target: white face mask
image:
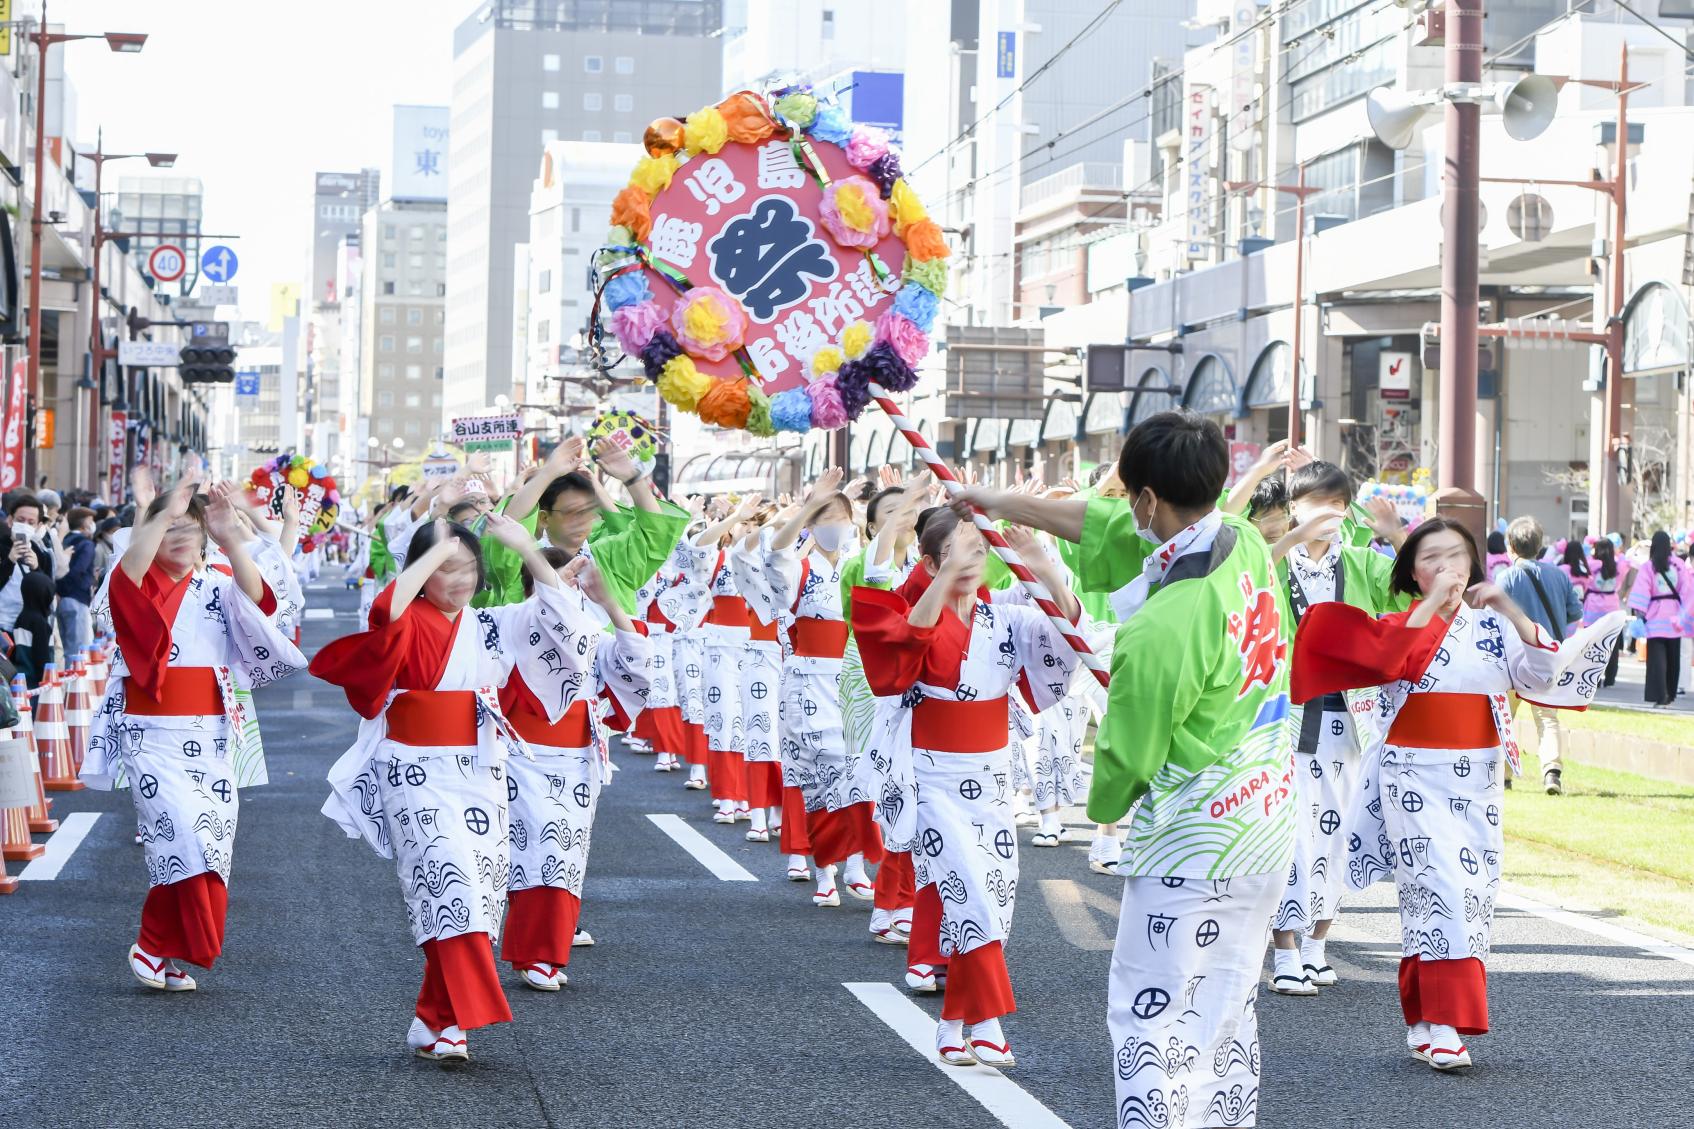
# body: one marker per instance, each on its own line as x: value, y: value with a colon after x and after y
x: 1301, y: 513
x: 832, y: 538
x: 1145, y: 532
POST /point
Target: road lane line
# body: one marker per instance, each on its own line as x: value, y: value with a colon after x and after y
x: 73, y: 829
x: 1010, y: 1104
x: 1582, y: 922
x: 320, y: 613
x: 705, y: 852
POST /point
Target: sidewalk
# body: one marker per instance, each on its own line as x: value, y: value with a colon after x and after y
x: 1627, y: 693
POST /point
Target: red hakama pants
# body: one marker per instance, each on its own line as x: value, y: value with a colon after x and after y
x: 1449, y: 992
x: 185, y: 920
x: 540, y: 925
x: 794, y: 839
x: 460, y: 984
x: 835, y: 835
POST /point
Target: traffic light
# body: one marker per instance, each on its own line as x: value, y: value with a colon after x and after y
x: 211, y: 363
x: 208, y: 358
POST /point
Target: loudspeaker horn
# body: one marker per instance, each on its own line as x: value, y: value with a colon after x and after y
x: 1394, y: 115
x: 1527, y: 106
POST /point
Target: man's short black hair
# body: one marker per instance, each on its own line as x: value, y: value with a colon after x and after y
x: 424, y: 540
x: 1318, y: 479
x: 20, y: 501
x: 1270, y: 496
x: 876, y: 501
x: 1180, y: 456
x: 460, y: 509
x: 574, y: 482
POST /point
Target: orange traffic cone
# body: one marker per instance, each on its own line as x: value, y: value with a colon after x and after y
x: 14, y: 829
x: 79, y: 711
x: 53, y: 738
x: 8, y: 884
x: 99, y: 670
x: 40, y: 822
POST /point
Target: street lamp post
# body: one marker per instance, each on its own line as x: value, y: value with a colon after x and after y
x: 97, y: 350
x: 123, y: 43
x: 1299, y: 190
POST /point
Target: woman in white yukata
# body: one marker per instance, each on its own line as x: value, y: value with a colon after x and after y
x: 171, y: 727
x: 956, y: 658
x: 840, y: 825
x: 659, y: 604
x: 426, y: 781
x: 1429, y: 806
x: 768, y: 622
x: 724, y: 637
x: 565, y: 664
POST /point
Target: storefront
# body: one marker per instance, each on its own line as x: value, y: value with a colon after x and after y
x: 1266, y: 396
x: 1657, y: 406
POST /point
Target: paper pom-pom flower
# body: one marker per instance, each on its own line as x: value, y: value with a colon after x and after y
x: 827, y: 359
x: 932, y: 276
x: 855, y: 339
x: 828, y: 412
x: 918, y: 305
x: 853, y: 213
x: 627, y: 289
x: 653, y: 174
x: 791, y: 410
x: 852, y: 384
x: 924, y: 241
x: 898, y: 331
x: 885, y: 366
x: 658, y: 352
x: 726, y: 404
x: 708, y: 323
x: 799, y: 107
x: 759, y: 413
x: 907, y: 208
x: 865, y: 146
x: 746, y: 119
x: 681, y: 384
x: 619, y: 236
x: 636, y: 324
x: 705, y: 131
x: 832, y: 125
x: 630, y: 209
x: 885, y: 170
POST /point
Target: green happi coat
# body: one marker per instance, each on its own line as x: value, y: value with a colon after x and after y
x: 628, y: 547
x: 1194, y: 731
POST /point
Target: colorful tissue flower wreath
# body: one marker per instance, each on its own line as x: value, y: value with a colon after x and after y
x: 703, y: 323
x: 320, y: 498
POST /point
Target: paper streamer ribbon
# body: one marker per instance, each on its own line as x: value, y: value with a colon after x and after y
x: 1037, y: 590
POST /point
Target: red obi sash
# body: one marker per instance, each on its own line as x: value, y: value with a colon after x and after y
x: 961, y: 727
x: 187, y: 691
x: 428, y: 718
x: 820, y: 638
x: 1445, y: 721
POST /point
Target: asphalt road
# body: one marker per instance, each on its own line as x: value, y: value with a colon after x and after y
x: 725, y: 1003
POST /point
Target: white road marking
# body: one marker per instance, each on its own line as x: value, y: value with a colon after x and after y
x: 1615, y: 933
x: 1010, y: 1104
x: 705, y: 852
x: 320, y: 613
x: 73, y: 829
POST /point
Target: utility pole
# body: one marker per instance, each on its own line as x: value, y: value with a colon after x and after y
x: 1456, y: 496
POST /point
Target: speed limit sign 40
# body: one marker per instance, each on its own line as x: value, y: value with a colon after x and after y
x: 167, y: 263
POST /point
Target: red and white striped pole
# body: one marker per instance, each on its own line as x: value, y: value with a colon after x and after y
x: 1043, y: 598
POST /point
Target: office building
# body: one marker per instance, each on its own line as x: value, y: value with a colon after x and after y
x: 403, y: 266
x: 527, y: 72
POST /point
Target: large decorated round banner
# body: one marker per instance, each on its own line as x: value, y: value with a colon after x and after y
x: 768, y: 261
x: 320, y: 498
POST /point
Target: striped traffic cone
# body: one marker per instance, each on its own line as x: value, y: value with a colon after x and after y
x: 52, y: 737
x: 14, y: 829
x: 79, y: 711
x: 99, y: 670
x: 40, y: 822
x: 8, y: 884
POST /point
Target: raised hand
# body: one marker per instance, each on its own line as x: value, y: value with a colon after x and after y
x: 507, y: 532
x: 615, y: 460
x: 828, y: 483
x: 290, y: 504
x: 565, y: 457
x: 889, y: 476
x: 142, y: 488
x: 221, y: 522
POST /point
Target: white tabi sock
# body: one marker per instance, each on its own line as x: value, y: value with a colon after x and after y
x: 1050, y: 824
x: 951, y: 1032
x: 989, y: 1032
x: 757, y: 820
x: 1286, y: 962
x: 696, y: 772
x: 853, y: 870
x: 826, y: 878
x: 1311, y: 951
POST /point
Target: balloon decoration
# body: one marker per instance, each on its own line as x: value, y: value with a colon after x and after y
x: 768, y: 263
x: 320, y: 498
x: 628, y: 431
